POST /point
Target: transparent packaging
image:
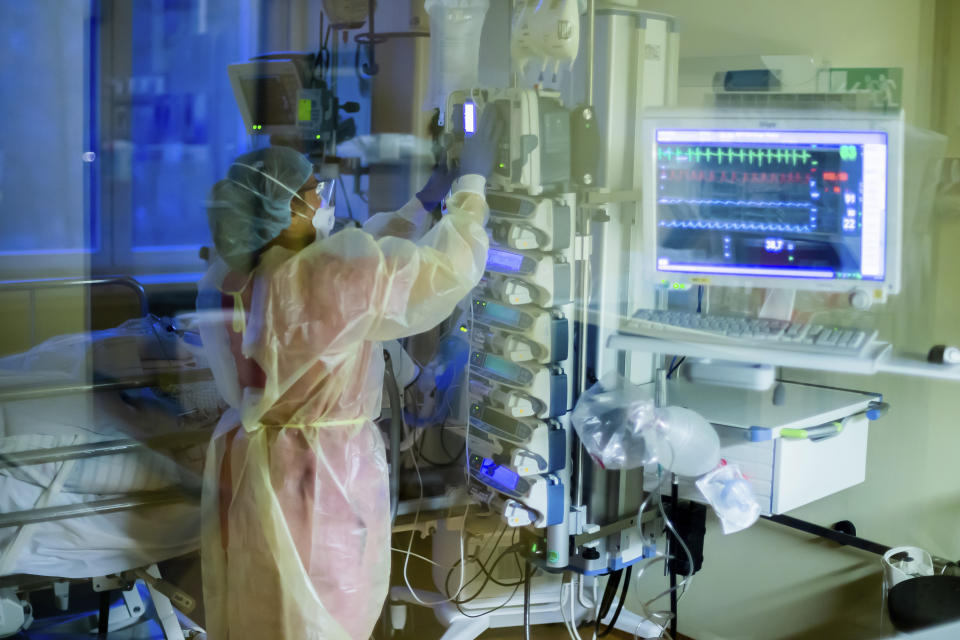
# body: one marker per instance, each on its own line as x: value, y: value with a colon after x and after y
x: 455, y: 27
x: 613, y: 419
x: 621, y: 428
x: 731, y: 497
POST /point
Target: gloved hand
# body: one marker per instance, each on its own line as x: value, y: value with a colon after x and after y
x: 480, y: 149
x: 436, y: 188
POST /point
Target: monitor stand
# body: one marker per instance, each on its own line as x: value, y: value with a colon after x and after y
x: 778, y: 304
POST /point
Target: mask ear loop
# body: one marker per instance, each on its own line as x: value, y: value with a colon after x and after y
x: 294, y: 194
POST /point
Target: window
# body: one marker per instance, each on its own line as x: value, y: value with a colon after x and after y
x: 122, y: 121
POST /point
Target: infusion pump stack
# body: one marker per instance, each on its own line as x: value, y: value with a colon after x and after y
x: 521, y: 373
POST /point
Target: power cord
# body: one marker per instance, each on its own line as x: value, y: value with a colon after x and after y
x: 616, y: 614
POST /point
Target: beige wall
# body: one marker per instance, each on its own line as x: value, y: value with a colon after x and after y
x: 770, y: 582
x: 946, y: 90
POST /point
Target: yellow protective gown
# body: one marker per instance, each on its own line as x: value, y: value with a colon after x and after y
x: 296, y: 532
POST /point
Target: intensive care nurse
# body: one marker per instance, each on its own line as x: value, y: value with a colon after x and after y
x: 296, y: 527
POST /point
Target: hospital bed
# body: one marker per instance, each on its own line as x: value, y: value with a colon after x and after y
x: 101, y: 445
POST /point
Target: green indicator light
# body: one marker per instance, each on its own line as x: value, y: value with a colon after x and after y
x: 533, y: 547
x: 790, y: 258
x: 463, y: 329
x: 318, y: 136
x: 501, y: 165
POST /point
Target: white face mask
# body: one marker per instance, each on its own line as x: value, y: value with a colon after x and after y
x: 323, y: 220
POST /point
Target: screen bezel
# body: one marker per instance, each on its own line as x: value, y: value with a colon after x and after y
x: 253, y: 70
x: 891, y: 124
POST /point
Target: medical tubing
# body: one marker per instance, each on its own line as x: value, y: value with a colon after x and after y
x: 413, y: 532
x: 493, y: 549
x: 488, y: 612
x: 418, y: 445
x: 644, y: 611
x: 509, y: 599
x: 489, y: 577
x: 396, y: 432
x: 573, y: 611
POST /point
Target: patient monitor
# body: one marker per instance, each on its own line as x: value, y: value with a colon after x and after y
x: 791, y: 200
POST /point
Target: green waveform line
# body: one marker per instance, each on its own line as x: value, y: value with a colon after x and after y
x: 750, y: 154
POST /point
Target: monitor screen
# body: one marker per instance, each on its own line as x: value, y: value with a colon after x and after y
x: 270, y: 100
x: 790, y: 204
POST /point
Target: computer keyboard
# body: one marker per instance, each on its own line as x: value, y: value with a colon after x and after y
x: 688, y: 326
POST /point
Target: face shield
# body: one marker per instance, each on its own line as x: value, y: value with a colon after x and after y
x: 323, y: 217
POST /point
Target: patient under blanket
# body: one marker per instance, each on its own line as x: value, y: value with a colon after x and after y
x: 93, y: 545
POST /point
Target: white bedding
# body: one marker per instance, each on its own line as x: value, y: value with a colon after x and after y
x: 91, y: 545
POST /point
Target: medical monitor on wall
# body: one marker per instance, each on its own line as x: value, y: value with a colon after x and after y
x: 800, y: 199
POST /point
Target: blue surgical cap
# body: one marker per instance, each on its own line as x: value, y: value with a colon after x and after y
x: 251, y: 206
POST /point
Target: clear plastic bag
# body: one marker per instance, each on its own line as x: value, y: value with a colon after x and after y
x: 455, y: 27
x: 621, y: 428
x: 731, y: 497
x: 613, y: 419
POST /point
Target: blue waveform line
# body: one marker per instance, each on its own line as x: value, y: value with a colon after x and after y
x: 737, y: 203
x: 720, y: 225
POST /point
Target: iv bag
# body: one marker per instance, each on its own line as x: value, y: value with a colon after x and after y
x: 455, y: 27
x: 347, y: 14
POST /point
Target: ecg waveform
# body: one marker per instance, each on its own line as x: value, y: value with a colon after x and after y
x: 721, y: 225
x: 737, y: 203
x: 737, y: 177
x: 749, y: 155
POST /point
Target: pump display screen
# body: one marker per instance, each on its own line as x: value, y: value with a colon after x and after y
x: 772, y: 203
x: 500, y: 368
x: 500, y: 422
x: 501, y: 315
x: 506, y: 262
x: 499, y: 475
